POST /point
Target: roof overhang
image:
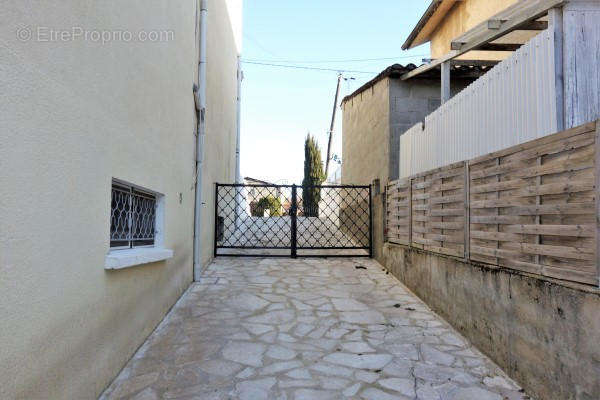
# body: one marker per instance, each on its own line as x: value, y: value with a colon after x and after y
x: 498, y: 32
x: 429, y: 21
x: 460, y: 69
x: 259, y: 181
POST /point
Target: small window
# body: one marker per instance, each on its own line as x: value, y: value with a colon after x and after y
x: 132, y: 217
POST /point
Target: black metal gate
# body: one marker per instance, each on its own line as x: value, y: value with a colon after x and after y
x: 291, y: 220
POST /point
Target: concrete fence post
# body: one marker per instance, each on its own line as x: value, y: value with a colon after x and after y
x: 467, y: 194
x: 597, y: 196
x: 410, y: 222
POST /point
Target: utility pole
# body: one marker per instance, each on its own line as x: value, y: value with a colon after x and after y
x: 335, y: 102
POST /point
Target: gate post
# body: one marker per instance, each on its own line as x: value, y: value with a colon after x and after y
x: 216, y: 218
x: 370, y: 222
x: 293, y: 212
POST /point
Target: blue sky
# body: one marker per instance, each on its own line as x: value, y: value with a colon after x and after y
x: 280, y: 105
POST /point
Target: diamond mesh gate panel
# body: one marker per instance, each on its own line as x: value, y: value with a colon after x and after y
x: 340, y: 220
x: 254, y: 217
x: 281, y: 219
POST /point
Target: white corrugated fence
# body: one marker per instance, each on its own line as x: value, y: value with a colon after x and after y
x: 511, y: 104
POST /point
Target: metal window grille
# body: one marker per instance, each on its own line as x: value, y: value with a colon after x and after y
x: 132, y: 217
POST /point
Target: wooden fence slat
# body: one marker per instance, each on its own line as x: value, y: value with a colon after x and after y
x: 422, y: 196
x: 438, y: 197
x: 421, y: 207
x: 448, y: 186
x: 496, y: 186
x: 498, y: 236
x: 549, y: 209
x: 553, y: 230
x: 572, y: 164
x: 459, y: 198
x: 589, y: 127
x: 532, y: 207
x: 397, y: 214
x: 497, y: 219
x: 552, y: 148
x: 447, y: 212
x: 447, y: 225
x: 562, y: 187
x: 574, y: 253
x: 447, y: 238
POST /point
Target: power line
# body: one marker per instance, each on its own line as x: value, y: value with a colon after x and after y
x: 259, y: 45
x: 334, y: 61
x: 309, y: 68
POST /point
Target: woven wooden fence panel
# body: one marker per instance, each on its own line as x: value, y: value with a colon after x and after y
x: 438, y: 210
x: 533, y: 206
x: 398, y: 211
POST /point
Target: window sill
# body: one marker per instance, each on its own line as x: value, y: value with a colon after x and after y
x: 119, y: 259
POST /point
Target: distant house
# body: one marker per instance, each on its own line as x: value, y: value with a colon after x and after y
x: 446, y: 19
x: 540, y: 53
x: 487, y: 31
x: 500, y: 73
x: 377, y: 113
x: 256, y: 193
x: 335, y: 178
x: 263, y: 190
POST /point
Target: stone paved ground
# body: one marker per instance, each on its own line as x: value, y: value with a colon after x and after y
x: 306, y: 329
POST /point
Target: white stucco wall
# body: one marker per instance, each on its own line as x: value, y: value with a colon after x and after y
x: 73, y: 115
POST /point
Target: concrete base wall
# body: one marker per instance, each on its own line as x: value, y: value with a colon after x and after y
x: 378, y: 216
x: 545, y: 334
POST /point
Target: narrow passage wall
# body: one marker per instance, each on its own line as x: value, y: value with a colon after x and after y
x: 544, y: 333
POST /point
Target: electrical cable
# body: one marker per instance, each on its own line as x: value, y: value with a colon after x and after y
x: 309, y: 68
x: 333, y: 61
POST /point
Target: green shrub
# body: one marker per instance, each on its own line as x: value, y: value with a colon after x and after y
x: 270, y: 203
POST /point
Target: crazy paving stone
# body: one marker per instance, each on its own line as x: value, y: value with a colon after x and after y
x: 306, y: 329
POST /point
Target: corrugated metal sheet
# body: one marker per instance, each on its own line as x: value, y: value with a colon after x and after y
x: 511, y: 104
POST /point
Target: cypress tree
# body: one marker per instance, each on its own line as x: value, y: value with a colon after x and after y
x: 313, y: 176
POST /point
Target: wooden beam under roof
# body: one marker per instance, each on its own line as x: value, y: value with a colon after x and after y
x: 534, y: 26
x: 500, y: 46
x: 528, y: 26
x: 475, y: 63
x: 519, y: 14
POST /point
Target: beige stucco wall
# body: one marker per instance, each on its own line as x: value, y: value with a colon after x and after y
x: 462, y: 17
x: 75, y: 114
x: 366, y: 133
x: 221, y: 124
